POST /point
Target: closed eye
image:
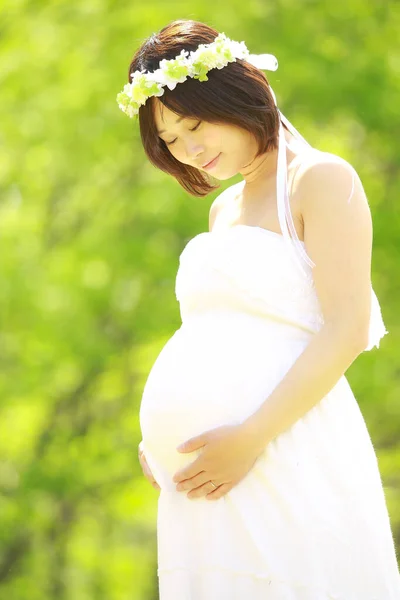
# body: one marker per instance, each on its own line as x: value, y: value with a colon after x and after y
x: 194, y: 129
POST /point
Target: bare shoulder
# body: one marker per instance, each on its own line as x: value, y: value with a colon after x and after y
x: 221, y: 201
x: 328, y: 176
x: 331, y: 196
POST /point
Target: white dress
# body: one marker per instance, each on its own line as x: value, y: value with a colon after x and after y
x: 310, y: 520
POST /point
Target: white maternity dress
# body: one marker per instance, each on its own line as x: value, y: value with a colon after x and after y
x: 310, y: 520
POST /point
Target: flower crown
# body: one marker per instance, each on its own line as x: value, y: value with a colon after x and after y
x: 195, y: 64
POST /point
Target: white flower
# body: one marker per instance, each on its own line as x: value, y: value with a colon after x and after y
x: 130, y: 111
x: 196, y: 64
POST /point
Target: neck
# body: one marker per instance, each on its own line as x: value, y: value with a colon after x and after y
x: 263, y: 168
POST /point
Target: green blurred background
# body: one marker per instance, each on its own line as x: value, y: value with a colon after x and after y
x: 90, y: 235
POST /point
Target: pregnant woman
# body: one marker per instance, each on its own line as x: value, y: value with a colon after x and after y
x: 269, y: 482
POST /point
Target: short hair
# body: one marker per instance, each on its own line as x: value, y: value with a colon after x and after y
x: 238, y: 94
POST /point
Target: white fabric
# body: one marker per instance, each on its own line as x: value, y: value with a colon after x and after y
x: 309, y: 521
x: 266, y: 62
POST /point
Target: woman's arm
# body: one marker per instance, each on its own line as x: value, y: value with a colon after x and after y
x: 338, y: 238
x: 311, y: 377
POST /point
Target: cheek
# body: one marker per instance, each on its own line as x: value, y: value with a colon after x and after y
x: 175, y: 151
x: 179, y: 153
x: 231, y: 142
x: 217, y: 139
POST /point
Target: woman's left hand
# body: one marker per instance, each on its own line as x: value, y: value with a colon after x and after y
x: 229, y: 452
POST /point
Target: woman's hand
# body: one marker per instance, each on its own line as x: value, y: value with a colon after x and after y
x: 228, y: 454
x: 145, y: 467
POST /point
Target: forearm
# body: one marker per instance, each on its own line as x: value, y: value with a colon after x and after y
x: 315, y: 372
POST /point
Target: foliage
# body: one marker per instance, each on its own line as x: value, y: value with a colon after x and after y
x: 90, y: 239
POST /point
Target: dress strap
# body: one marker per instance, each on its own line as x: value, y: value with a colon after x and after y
x: 283, y: 204
x: 284, y: 212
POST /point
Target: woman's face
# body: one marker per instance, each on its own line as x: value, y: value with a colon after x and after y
x: 196, y: 143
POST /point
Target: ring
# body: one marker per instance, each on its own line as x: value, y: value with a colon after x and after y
x: 212, y: 483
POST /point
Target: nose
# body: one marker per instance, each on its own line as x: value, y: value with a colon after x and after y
x: 193, y: 150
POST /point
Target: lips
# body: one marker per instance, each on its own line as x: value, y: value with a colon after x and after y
x: 211, y: 162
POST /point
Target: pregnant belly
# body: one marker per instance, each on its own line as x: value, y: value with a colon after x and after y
x: 215, y: 370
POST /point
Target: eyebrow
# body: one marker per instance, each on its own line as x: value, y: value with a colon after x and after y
x: 163, y: 130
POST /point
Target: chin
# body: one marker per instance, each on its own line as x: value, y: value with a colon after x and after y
x: 225, y: 176
x: 224, y: 172
x: 222, y: 177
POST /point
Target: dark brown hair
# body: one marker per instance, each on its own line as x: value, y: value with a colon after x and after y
x: 239, y: 94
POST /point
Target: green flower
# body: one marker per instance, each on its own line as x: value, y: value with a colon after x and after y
x: 195, y: 64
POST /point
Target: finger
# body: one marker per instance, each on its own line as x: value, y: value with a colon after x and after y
x: 193, y: 444
x: 147, y: 472
x: 153, y: 482
x: 149, y: 475
x: 202, y: 490
x: 190, y: 471
x: 194, y: 482
x: 142, y: 461
x: 220, y: 491
x: 145, y: 465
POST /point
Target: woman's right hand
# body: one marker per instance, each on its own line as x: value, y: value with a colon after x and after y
x: 145, y: 467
